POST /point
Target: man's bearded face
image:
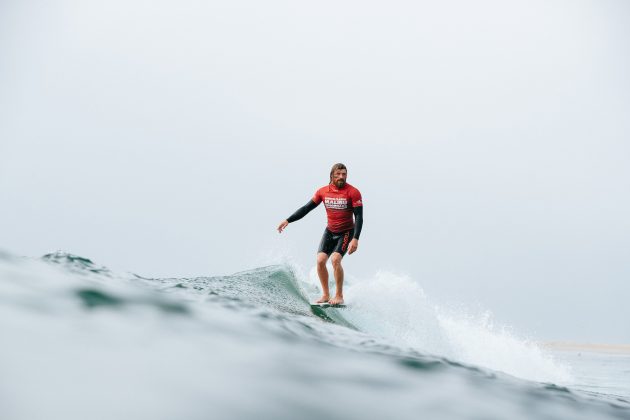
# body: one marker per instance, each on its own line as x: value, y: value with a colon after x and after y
x: 339, y: 177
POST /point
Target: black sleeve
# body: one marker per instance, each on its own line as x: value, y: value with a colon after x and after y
x: 358, y: 221
x: 302, y: 211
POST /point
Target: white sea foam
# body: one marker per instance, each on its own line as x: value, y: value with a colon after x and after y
x: 396, y: 307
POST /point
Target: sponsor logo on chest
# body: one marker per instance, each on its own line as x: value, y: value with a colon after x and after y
x: 336, y: 203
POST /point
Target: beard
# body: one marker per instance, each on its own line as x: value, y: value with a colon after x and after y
x: 340, y: 183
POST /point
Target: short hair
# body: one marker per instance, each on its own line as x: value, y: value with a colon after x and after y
x: 335, y: 167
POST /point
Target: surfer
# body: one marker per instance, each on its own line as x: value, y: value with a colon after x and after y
x: 342, y: 233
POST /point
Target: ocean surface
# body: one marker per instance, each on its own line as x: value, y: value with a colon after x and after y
x: 78, y: 341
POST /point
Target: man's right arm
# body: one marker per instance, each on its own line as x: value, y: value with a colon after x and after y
x: 302, y: 211
x: 299, y: 213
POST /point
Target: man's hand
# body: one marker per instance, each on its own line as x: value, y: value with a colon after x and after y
x: 282, y: 225
x: 354, y: 244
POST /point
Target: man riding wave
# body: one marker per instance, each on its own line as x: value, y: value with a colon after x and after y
x: 342, y: 202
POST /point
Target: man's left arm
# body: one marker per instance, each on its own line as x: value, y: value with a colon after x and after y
x: 358, y: 225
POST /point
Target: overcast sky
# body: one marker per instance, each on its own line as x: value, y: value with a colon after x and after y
x: 490, y: 140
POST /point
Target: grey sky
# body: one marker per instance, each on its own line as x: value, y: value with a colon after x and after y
x: 490, y: 141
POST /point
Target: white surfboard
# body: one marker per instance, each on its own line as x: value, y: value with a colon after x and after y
x: 328, y: 305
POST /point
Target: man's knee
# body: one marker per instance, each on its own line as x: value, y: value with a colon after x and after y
x: 321, y: 259
x: 336, y: 259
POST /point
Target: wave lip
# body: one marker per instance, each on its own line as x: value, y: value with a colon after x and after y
x: 63, y: 283
x: 76, y: 263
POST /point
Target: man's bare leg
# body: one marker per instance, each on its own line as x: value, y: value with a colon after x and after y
x: 322, y: 272
x: 338, y: 271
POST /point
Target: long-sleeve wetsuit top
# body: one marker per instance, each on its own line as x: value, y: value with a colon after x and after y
x: 341, y: 204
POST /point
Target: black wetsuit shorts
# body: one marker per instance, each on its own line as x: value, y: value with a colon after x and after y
x: 335, y: 242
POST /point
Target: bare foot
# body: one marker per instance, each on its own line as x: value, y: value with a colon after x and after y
x: 337, y: 300
x: 323, y: 299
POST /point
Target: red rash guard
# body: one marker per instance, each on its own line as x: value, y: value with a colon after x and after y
x: 339, y: 204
